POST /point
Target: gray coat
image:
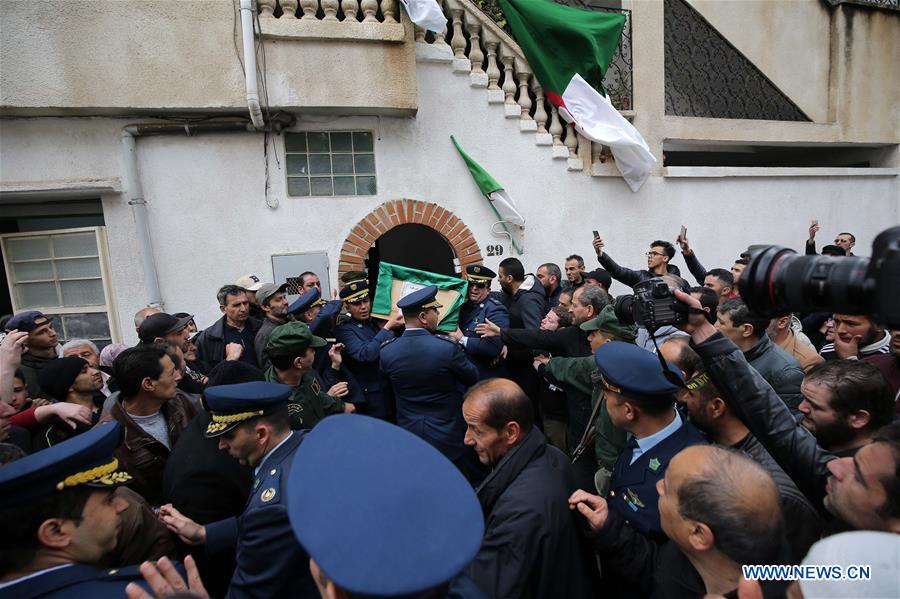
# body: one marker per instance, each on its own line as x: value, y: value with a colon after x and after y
x: 779, y: 368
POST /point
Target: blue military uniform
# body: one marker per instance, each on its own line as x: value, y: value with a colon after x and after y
x: 483, y: 351
x: 362, y: 348
x: 323, y: 324
x: 394, y: 546
x: 634, y: 372
x: 86, y: 460
x: 269, y: 561
x: 428, y: 375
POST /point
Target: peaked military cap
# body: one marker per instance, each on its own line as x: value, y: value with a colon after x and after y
x: 354, y: 276
x: 355, y: 291
x: 429, y: 523
x: 230, y: 405
x: 308, y: 300
x: 635, y: 372
x: 607, y: 322
x: 291, y: 337
x: 420, y: 300
x: 84, y: 460
x: 479, y: 273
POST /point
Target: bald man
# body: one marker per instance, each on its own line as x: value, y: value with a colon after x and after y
x: 141, y: 315
x: 719, y: 511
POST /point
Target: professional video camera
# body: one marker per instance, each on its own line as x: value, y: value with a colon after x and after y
x: 777, y: 280
x: 652, y: 306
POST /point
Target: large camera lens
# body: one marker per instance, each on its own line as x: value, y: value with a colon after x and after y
x: 778, y: 280
x: 623, y: 306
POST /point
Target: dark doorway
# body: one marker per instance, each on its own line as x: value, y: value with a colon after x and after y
x: 414, y: 246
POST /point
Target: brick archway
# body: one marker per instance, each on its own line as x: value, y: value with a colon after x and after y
x: 400, y: 212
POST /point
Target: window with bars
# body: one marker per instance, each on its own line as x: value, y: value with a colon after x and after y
x: 330, y: 163
x: 65, y: 275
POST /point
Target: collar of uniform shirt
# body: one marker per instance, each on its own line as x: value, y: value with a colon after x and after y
x: 651, y: 441
x: 268, y: 453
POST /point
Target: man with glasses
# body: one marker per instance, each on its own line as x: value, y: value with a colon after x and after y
x: 479, y: 308
x: 658, y: 258
x: 845, y: 241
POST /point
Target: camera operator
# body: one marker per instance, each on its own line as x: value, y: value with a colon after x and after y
x: 859, y: 492
x: 748, y: 331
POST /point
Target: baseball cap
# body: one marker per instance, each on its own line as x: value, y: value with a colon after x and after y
x: 249, y: 283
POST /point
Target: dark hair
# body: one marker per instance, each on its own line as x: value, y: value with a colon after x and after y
x: 577, y: 258
x: 10, y: 453
x: 504, y: 404
x: 651, y: 407
x: 230, y: 372
x: 227, y: 290
x: 850, y: 235
x: 552, y: 270
x: 890, y: 436
x: 439, y: 592
x: 305, y: 274
x: 594, y: 296
x: 725, y: 277
x: 513, y: 267
x: 564, y: 316
x: 171, y: 350
x: 740, y: 530
x: 19, y: 543
x: 135, y: 364
x: 666, y: 246
x: 18, y: 374
x: 708, y: 298
x: 740, y: 314
x: 855, y: 385
x: 278, y: 418
x: 743, y: 261
x: 286, y: 361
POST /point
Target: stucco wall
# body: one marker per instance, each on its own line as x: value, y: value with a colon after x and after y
x: 210, y: 222
x: 117, y: 57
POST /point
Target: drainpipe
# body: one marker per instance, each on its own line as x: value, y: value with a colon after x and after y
x: 136, y: 190
x: 250, y: 64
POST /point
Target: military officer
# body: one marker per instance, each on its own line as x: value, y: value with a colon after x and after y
x: 480, y: 306
x: 362, y: 339
x: 316, y: 312
x: 60, y: 517
x: 251, y: 421
x: 427, y: 375
x: 640, y: 399
x: 292, y: 349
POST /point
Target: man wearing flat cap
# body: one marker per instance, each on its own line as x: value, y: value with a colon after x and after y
x: 427, y: 374
x: 479, y: 307
x: 292, y: 350
x: 362, y: 338
x: 60, y: 518
x: 252, y: 423
x: 273, y: 302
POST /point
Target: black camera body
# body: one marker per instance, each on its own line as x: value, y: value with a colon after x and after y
x: 777, y: 280
x: 652, y: 306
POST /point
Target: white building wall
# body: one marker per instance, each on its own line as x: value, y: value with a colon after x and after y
x: 210, y: 222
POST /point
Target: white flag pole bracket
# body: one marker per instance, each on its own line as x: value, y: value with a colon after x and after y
x: 515, y: 234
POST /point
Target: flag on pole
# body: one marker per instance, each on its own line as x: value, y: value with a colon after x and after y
x: 395, y: 282
x: 570, y: 50
x: 503, y: 206
x: 427, y: 14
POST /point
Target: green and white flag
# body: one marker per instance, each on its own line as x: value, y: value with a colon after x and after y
x: 395, y: 282
x: 570, y: 50
x: 503, y: 206
x: 427, y: 14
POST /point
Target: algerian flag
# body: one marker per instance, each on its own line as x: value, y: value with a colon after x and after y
x: 395, y: 282
x: 427, y: 14
x: 502, y: 205
x: 570, y: 50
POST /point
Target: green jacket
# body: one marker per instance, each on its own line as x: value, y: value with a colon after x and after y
x: 309, y: 404
x: 574, y: 374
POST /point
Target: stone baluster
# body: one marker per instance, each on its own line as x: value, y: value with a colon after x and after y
x: 290, y: 9
x: 556, y: 127
x: 369, y: 8
x: 458, y: 43
x: 389, y: 10
x: 267, y: 8
x: 540, y: 111
x: 510, y: 107
x: 475, y: 53
x: 351, y: 10
x: 571, y: 142
x: 309, y: 8
x: 420, y: 34
x: 523, y: 74
x: 491, y: 43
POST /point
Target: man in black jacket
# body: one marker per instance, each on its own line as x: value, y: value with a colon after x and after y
x: 232, y: 337
x: 658, y: 258
x: 861, y: 492
x: 531, y: 545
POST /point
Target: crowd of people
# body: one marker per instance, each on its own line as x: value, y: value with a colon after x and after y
x: 548, y: 446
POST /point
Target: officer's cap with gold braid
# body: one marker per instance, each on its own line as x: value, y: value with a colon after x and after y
x: 479, y: 273
x: 420, y: 300
x: 230, y: 405
x: 84, y: 460
x: 354, y: 292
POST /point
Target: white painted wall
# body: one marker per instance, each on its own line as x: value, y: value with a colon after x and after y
x: 210, y: 222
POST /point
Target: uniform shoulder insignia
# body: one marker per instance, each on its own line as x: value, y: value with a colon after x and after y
x: 446, y: 338
x: 386, y: 342
x: 125, y: 573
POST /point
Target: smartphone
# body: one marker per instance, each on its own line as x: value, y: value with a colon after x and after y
x: 815, y: 221
x: 596, y: 234
x: 683, y: 232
